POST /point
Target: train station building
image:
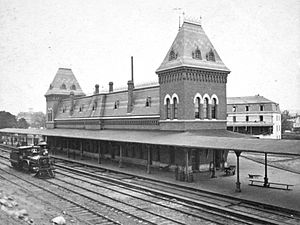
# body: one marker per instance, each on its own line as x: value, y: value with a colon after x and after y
x: 178, y: 123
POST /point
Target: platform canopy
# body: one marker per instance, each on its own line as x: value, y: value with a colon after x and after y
x: 212, y: 139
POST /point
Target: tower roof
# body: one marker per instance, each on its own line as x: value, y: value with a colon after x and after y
x: 190, y: 40
x: 63, y: 83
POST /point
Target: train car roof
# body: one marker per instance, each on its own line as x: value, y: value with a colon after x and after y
x: 205, y: 139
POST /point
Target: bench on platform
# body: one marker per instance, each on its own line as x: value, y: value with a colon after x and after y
x: 270, y: 184
x: 254, y: 176
x: 229, y: 170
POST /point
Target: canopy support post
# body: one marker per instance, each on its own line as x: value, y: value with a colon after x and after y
x: 99, y: 151
x: 121, y: 157
x: 238, y: 184
x: 266, y: 180
x: 148, y: 159
x: 81, y: 150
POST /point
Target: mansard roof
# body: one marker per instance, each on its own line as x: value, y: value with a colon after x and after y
x: 63, y: 83
x: 192, y: 48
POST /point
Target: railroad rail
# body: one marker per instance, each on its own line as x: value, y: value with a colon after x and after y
x: 220, y: 208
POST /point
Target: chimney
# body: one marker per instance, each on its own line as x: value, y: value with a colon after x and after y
x: 130, y: 96
x: 96, y: 89
x: 132, y: 69
x: 72, y: 102
x: 111, y: 86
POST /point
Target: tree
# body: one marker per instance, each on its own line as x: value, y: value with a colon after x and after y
x: 286, y: 124
x: 7, y: 120
x: 22, y: 123
x: 38, y: 120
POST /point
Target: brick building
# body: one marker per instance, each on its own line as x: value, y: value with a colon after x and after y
x: 190, y: 96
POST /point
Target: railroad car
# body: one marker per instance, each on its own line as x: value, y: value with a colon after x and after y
x: 33, y: 159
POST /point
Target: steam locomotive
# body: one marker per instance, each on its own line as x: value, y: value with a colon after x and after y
x: 33, y: 159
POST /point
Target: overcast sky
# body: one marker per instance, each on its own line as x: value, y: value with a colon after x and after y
x: 259, y: 41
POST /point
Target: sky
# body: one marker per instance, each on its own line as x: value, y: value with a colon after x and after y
x: 258, y: 40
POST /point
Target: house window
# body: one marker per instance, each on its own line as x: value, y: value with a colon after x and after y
x: 197, y: 54
x: 233, y: 108
x: 168, y: 109
x: 261, y: 118
x: 261, y: 107
x: 247, y: 118
x: 175, y: 108
x: 73, y: 87
x: 205, y: 108
x: 63, y: 86
x: 94, y: 106
x: 197, y: 108
x: 50, y: 116
x: 234, y: 119
x: 148, y: 102
x: 117, y: 104
x: 247, y: 108
x: 210, y: 56
x: 172, y: 55
x: 214, y: 109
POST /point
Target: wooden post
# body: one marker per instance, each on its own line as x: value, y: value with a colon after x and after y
x: 266, y: 180
x: 186, y: 164
x: 81, y: 150
x: 99, y: 151
x: 148, y: 159
x: 121, y: 156
x: 238, y: 184
x: 12, y: 140
x: 213, y: 172
x: 68, y: 153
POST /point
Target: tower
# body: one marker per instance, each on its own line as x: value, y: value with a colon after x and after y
x: 192, y: 80
x: 63, y: 86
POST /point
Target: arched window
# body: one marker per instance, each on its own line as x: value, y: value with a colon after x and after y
x: 63, y: 86
x: 214, y: 109
x: 205, y: 108
x: 73, y: 87
x: 172, y: 55
x: 175, y: 108
x: 210, y: 56
x: 197, y: 108
x: 50, y: 116
x: 148, y: 102
x: 198, y: 54
x: 168, y: 109
x: 94, y: 106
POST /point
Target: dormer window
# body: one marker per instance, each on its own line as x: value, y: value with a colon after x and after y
x: 73, y: 87
x: 148, y: 102
x: 172, y: 55
x: 94, y: 106
x: 210, y: 56
x: 64, y: 109
x: 51, y: 86
x: 80, y: 108
x: 117, y: 104
x: 63, y: 87
x: 197, y: 54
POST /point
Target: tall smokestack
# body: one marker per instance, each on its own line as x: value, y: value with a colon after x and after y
x: 96, y: 89
x: 111, y: 86
x: 132, y: 69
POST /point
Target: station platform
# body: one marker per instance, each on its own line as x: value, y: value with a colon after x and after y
x: 226, y: 184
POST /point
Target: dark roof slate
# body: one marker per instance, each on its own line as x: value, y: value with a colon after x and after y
x: 190, y: 37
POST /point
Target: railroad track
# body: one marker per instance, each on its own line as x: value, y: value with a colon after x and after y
x: 193, y: 207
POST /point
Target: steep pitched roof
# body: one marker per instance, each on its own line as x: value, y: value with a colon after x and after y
x: 247, y: 100
x: 63, y: 83
x: 191, y: 38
